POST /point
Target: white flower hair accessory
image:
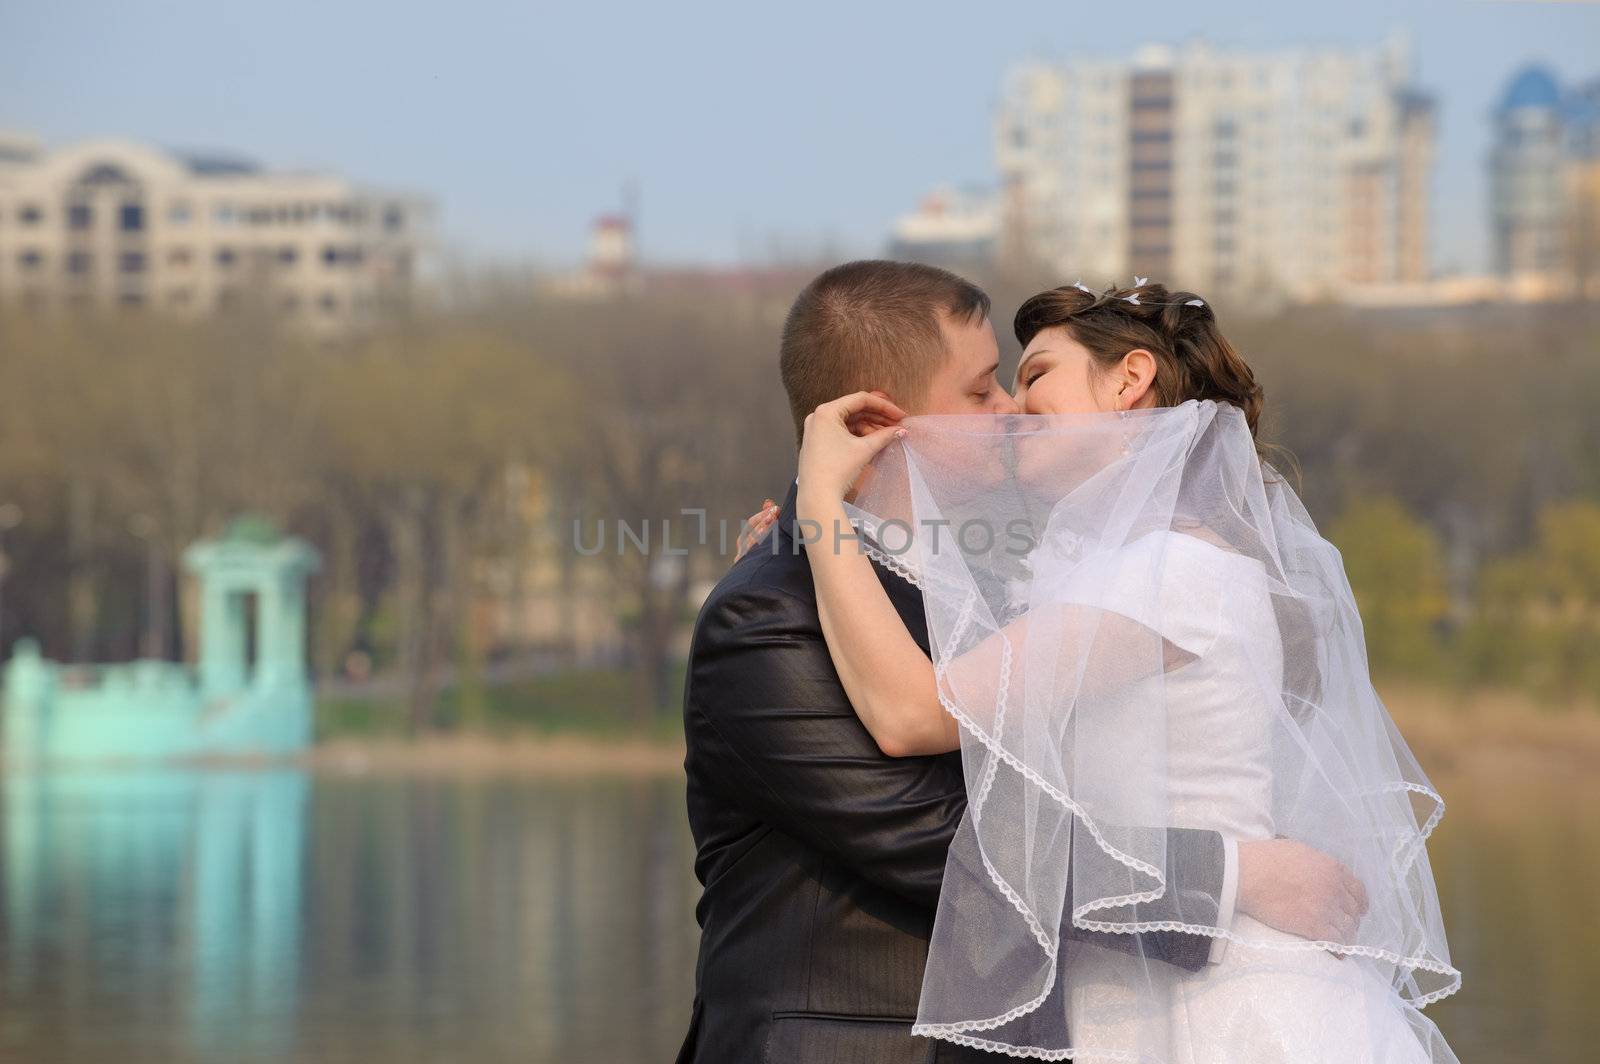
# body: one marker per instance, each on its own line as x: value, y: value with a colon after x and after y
x: 1134, y: 299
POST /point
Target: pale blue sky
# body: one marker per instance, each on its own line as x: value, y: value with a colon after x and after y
x: 745, y: 125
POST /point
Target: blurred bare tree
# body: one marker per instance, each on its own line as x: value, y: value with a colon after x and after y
x: 681, y: 412
x: 437, y: 462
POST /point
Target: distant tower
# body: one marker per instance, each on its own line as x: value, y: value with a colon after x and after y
x: 1526, y: 195
x: 611, y: 254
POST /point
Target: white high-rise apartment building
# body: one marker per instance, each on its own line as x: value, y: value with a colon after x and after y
x: 1298, y: 172
x: 112, y: 223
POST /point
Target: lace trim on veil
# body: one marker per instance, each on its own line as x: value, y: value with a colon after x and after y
x: 868, y: 530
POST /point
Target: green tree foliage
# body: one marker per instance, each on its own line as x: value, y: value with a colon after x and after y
x: 1537, y: 622
x: 1396, y: 569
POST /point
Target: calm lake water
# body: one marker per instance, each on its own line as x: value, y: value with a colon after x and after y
x: 278, y: 916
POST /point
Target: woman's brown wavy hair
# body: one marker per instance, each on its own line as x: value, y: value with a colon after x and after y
x: 1193, y: 359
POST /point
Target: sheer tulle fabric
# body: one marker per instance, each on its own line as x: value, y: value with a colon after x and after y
x: 1139, y: 628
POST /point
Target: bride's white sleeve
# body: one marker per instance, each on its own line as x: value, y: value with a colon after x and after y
x: 1184, y: 613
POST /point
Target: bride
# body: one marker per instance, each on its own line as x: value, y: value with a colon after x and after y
x: 1135, y: 626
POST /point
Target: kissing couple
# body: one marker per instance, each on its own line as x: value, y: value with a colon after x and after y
x: 1038, y: 723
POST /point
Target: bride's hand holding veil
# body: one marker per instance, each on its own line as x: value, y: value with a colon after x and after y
x: 843, y: 436
x: 840, y: 438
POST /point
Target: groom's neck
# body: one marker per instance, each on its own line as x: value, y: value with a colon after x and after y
x: 860, y: 485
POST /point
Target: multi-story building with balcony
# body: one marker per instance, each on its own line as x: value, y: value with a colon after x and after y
x: 117, y: 224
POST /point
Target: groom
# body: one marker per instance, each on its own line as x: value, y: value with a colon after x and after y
x: 821, y: 858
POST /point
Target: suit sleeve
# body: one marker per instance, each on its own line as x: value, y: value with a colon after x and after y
x: 768, y: 717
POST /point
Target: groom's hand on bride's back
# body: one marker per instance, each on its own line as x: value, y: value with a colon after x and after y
x: 1290, y: 886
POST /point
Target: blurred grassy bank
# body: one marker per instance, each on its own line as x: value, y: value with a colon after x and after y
x: 1489, y: 730
x: 583, y: 720
x: 577, y: 721
x: 594, y: 704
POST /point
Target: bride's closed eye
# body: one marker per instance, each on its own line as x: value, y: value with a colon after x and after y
x: 1032, y: 370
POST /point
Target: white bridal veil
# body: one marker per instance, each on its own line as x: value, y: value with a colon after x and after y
x: 1139, y: 629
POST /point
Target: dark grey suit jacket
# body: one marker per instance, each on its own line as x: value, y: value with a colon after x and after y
x: 820, y: 857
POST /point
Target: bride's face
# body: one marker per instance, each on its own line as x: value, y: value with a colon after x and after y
x: 1057, y: 375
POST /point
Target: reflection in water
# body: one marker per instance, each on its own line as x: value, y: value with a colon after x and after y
x: 255, y: 916
x: 272, y: 916
x: 1518, y: 863
x: 249, y: 837
x: 157, y: 894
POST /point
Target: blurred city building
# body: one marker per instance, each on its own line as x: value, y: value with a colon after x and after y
x: 1300, y: 172
x: 1544, y: 177
x: 957, y: 228
x: 115, y: 223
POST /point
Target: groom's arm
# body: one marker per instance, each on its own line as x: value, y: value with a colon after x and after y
x: 766, y: 706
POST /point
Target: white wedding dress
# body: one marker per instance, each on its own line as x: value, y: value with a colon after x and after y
x: 1255, y: 1005
x: 1140, y: 631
